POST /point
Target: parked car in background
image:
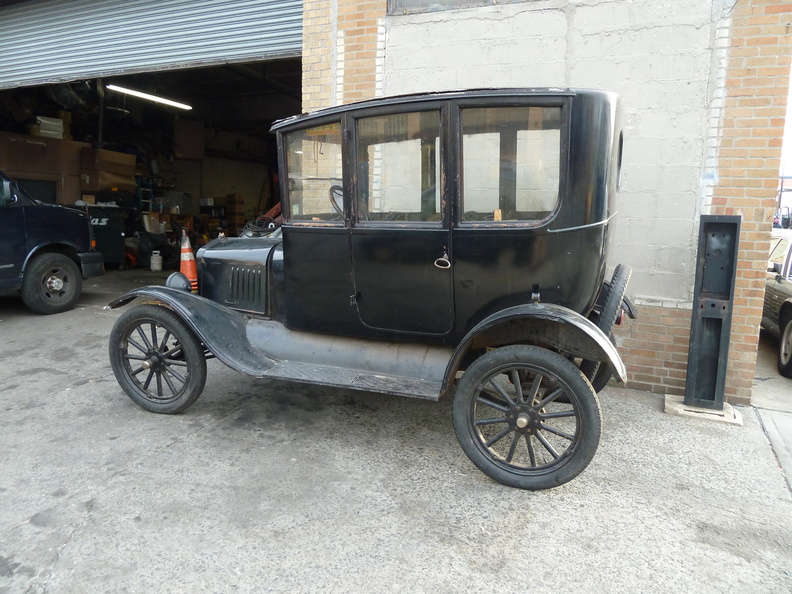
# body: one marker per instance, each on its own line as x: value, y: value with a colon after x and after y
x: 438, y: 244
x: 45, y: 250
x: 777, y: 309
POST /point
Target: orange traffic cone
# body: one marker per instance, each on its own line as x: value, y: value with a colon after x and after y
x: 188, y: 267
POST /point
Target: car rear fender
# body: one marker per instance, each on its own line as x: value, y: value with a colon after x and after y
x: 541, y: 324
x: 223, y: 331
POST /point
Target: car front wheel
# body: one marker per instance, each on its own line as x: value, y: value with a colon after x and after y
x: 157, y: 359
x: 527, y: 417
x: 785, y: 350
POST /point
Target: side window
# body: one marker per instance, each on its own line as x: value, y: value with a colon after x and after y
x: 511, y: 161
x: 778, y: 254
x: 398, y: 159
x: 314, y: 165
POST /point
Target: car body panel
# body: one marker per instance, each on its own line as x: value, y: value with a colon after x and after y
x: 778, y: 284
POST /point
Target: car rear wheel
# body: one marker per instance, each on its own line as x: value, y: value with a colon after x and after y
x: 52, y: 283
x: 785, y: 350
x: 599, y: 373
x: 157, y: 359
x: 527, y: 417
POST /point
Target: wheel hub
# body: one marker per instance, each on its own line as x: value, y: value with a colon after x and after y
x: 54, y: 284
x: 524, y: 418
x: 154, y: 360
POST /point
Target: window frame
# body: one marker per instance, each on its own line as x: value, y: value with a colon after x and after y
x: 785, y: 261
x: 442, y: 107
x: 406, y: 7
x: 283, y: 152
x: 562, y: 102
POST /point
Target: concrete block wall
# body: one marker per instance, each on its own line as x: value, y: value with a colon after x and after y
x: 677, y: 67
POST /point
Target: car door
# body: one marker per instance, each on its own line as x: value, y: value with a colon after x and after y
x: 778, y: 287
x: 401, y: 242
x: 13, y: 235
x: 317, y: 282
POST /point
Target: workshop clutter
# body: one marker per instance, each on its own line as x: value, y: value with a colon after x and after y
x: 223, y: 214
x: 101, y: 169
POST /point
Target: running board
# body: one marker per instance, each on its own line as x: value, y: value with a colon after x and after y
x: 354, y: 379
x: 402, y: 369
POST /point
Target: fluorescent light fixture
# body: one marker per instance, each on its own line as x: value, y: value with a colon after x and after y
x: 154, y: 98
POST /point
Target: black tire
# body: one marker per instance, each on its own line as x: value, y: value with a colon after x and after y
x: 613, y: 302
x: 785, y: 350
x: 52, y: 283
x: 157, y: 359
x: 502, y: 410
x: 599, y: 374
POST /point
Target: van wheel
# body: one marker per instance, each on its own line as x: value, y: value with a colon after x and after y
x: 52, y: 283
x: 157, y: 359
x: 527, y: 417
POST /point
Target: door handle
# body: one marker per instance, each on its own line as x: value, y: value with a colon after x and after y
x: 443, y: 262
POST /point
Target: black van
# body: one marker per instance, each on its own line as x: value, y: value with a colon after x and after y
x: 45, y: 250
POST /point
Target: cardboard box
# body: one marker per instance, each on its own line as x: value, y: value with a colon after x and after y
x: 89, y: 198
x: 107, y: 161
x: 92, y: 180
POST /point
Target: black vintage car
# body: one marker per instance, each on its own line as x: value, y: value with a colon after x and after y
x: 434, y: 244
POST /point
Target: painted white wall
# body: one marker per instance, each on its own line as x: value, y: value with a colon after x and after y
x: 659, y: 56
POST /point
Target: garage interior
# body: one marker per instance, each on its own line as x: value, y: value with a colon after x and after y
x: 145, y: 168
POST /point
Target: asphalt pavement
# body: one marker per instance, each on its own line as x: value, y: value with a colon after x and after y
x: 265, y: 486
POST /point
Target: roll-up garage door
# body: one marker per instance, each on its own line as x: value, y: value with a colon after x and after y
x: 48, y: 41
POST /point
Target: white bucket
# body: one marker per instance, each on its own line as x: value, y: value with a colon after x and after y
x: 156, y: 262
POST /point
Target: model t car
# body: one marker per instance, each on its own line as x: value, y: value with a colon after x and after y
x: 432, y: 245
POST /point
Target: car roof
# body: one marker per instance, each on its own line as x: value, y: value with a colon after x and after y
x: 782, y: 233
x: 446, y: 95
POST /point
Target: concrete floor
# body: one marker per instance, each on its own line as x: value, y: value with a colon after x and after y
x: 771, y: 390
x: 266, y: 486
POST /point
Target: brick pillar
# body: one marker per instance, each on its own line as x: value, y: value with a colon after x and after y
x: 318, y: 57
x: 340, y: 44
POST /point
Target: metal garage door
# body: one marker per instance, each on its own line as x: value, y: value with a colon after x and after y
x: 46, y: 41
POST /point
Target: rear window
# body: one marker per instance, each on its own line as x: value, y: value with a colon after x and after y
x: 511, y: 161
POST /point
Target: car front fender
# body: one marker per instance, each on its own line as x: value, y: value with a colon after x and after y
x: 542, y: 324
x: 222, y: 330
